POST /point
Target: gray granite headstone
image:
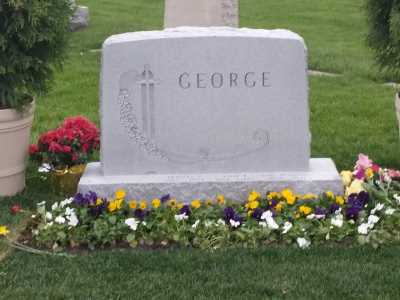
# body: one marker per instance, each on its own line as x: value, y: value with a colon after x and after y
x: 199, y: 111
x: 80, y: 17
x: 201, y: 13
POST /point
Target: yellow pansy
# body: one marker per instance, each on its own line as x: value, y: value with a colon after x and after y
x: 143, y: 204
x: 209, y: 202
x: 305, y: 210
x: 4, y: 230
x: 309, y: 196
x: 133, y: 204
x: 119, y: 203
x: 99, y: 201
x: 120, y: 194
x: 297, y: 215
x: 330, y: 194
x: 180, y: 205
x: 221, y: 199
x: 249, y: 213
x: 289, y: 196
x: 112, y: 206
x: 156, y: 203
x: 172, y: 203
x: 339, y: 200
x: 279, y: 207
x: 347, y: 177
x: 369, y: 173
x: 254, y: 204
x: 355, y: 187
x: 196, y: 203
x: 273, y: 195
x: 253, y: 196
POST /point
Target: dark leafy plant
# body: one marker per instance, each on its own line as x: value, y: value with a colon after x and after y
x: 33, y: 38
x: 384, y: 33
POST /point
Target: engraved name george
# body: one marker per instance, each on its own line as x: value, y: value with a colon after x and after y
x: 216, y: 80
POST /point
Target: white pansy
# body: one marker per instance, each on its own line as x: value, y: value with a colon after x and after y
x: 73, y: 220
x: 181, y: 217
x: 319, y: 217
x: 351, y: 221
x: 378, y: 207
x: 303, y: 243
x: 337, y: 220
x: 69, y: 211
x: 66, y: 202
x: 272, y: 224
x: 338, y: 211
x: 59, y: 220
x: 311, y: 217
x: 132, y: 223
x: 397, y: 198
x: 44, y: 168
x: 372, y: 219
x: 54, y: 206
x: 49, y: 216
x: 196, y: 224
x: 43, y: 203
x: 268, y: 217
x: 363, y: 228
x: 286, y: 227
x: 234, y: 223
x: 220, y: 222
x: 389, y: 211
x: 267, y: 214
x: 262, y: 224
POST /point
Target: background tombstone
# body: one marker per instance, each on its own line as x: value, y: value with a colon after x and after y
x: 80, y: 17
x: 201, y: 13
x: 193, y: 112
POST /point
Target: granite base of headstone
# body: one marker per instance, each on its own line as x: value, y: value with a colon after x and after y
x: 194, y: 112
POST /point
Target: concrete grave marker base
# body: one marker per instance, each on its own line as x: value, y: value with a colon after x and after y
x: 322, y: 176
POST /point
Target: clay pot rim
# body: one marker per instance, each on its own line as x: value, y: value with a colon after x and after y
x: 11, y: 114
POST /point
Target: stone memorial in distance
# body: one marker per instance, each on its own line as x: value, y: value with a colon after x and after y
x: 193, y: 112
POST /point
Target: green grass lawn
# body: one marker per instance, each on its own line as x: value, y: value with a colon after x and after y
x: 348, y: 114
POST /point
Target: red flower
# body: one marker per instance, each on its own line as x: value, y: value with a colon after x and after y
x: 55, y: 147
x: 375, y: 168
x: 67, y: 149
x: 16, y: 208
x: 33, y: 149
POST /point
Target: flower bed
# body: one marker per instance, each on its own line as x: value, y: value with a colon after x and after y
x: 368, y: 213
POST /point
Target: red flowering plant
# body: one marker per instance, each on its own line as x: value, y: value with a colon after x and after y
x: 68, y: 145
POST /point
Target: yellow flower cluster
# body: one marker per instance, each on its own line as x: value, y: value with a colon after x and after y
x: 196, y: 204
x: 305, y: 210
x: 253, y: 201
x: 4, y: 231
x: 117, y: 202
x: 289, y: 196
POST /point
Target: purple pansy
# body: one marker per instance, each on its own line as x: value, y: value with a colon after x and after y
x: 185, y: 210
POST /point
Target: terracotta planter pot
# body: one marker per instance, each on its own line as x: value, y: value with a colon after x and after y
x: 397, y: 104
x: 15, y: 129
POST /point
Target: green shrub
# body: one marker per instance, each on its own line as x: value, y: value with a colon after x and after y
x: 384, y: 33
x: 33, y: 37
